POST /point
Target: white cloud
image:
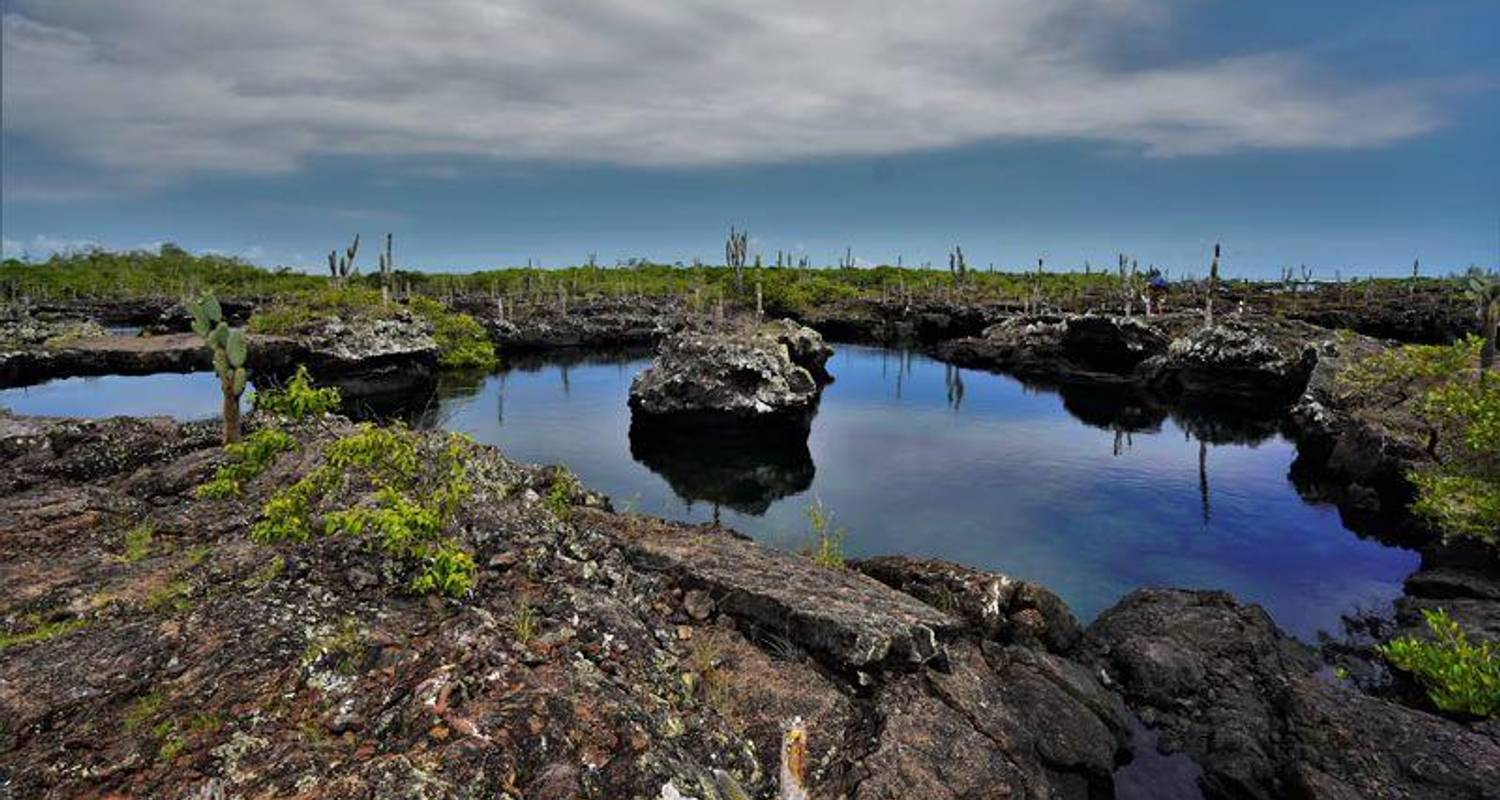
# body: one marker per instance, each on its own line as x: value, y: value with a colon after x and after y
x: 42, y: 246
x: 154, y: 87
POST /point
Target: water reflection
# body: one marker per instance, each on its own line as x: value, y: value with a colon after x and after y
x: 1093, y: 492
x: 742, y: 469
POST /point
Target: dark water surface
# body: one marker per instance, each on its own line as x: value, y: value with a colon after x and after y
x: 1092, y: 493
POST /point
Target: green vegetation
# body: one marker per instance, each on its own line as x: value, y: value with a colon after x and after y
x: 343, y: 646
x: 41, y: 632
x: 299, y: 399
x: 827, y: 540
x: 143, y: 709
x: 462, y: 342
x: 267, y: 574
x: 418, y: 484
x: 296, y: 310
x: 228, y: 346
x: 1460, y: 405
x: 174, y: 595
x: 1460, y: 675
x: 524, y: 625
x: 560, y: 497
x: 247, y: 460
x: 169, y: 273
x: 138, y: 542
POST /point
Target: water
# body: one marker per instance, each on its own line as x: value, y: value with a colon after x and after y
x: 1091, y: 493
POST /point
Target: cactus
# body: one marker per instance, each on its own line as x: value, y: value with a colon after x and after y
x: 735, y: 250
x: 957, y: 265
x: 229, y: 353
x: 340, y: 268
x: 387, y: 269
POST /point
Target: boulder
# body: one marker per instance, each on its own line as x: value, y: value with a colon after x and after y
x: 1224, y: 685
x: 1262, y: 365
x: 1095, y: 347
x: 998, y: 606
x: 848, y: 621
x: 744, y: 373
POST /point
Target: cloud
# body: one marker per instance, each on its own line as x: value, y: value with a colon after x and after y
x: 158, y: 87
x: 42, y: 246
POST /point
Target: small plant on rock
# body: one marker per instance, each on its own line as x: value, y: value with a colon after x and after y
x: 299, y: 399
x: 1460, y: 675
x: 247, y: 460
x: 418, y: 485
x: 827, y: 540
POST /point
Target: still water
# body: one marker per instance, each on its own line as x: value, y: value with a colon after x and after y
x: 1091, y: 493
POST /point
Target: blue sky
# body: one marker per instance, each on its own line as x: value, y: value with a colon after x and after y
x: 1350, y: 136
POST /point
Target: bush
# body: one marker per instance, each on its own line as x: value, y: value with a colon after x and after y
x: 247, y: 460
x: 299, y: 399
x: 1460, y: 676
x: 462, y: 342
x: 828, y: 541
x: 1460, y: 492
x: 418, y: 486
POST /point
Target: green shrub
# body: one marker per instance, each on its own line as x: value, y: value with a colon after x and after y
x: 1460, y: 675
x: 247, y: 460
x: 418, y: 485
x: 462, y: 342
x: 828, y: 541
x: 299, y: 399
x: 138, y: 542
x: 1459, y: 492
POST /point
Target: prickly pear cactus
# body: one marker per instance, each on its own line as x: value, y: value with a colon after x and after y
x: 229, y: 353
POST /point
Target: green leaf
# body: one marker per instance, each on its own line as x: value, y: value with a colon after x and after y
x: 217, y: 338
x: 235, y: 346
x: 212, y: 309
x: 239, y: 381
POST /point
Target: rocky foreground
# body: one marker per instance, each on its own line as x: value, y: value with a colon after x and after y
x: 610, y: 655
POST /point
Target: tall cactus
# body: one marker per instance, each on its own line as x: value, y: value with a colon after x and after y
x: 230, y: 352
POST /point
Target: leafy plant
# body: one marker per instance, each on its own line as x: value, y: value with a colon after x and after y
x: 138, y: 542
x: 827, y: 540
x: 1460, y: 491
x: 299, y: 399
x: 1483, y: 289
x: 462, y: 342
x: 1460, y: 675
x: 41, y: 632
x: 230, y: 353
x: 247, y: 460
x: 560, y: 497
x: 418, y: 486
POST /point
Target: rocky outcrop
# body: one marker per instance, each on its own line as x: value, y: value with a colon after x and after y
x: 370, y: 356
x: 364, y: 358
x: 1067, y: 347
x: 1261, y: 364
x: 848, y: 621
x: 998, y: 606
x: 745, y: 373
x: 589, y: 323
x: 1224, y: 685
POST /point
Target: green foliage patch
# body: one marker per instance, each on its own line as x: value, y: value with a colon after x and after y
x: 462, y: 342
x: 1460, y: 675
x: 418, y: 485
x: 247, y: 460
x: 299, y: 399
x: 1460, y: 404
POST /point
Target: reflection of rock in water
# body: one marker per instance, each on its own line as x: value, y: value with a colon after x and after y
x: 745, y: 468
x: 1112, y: 407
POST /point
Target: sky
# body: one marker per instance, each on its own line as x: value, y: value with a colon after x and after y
x: 1350, y: 136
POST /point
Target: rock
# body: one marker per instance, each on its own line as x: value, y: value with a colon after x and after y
x: 1000, y: 722
x: 1226, y: 686
x: 745, y: 373
x: 698, y: 604
x: 370, y: 357
x: 849, y: 621
x: 998, y: 606
x: 1260, y: 364
x: 1094, y: 347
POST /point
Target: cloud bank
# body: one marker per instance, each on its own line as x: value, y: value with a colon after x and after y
x: 159, y: 87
